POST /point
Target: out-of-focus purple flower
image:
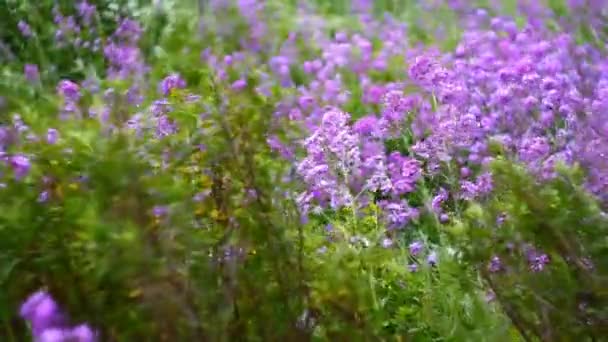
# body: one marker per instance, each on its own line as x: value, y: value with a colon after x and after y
x: 490, y: 296
x: 86, y: 11
x: 413, y: 267
x: 416, y: 247
x: 387, y: 243
x: 160, y: 211
x: 537, y: 261
x: 54, y: 335
x: 199, y: 197
x: 239, y: 84
x: 495, y: 264
x: 21, y: 165
x: 431, y: 259
x: 173, y: 81
x: 69, y: 90
x: 25, y: 29
x: 367, y: 125
x: 41, y: 311
x: 441, y: 197
x: 404, y: 173
x: 83, y: 333
x: 43, y: 196
x: 31, y: 73
x: 398, y: 214
x: 128, y: 30
x: 52, y: 135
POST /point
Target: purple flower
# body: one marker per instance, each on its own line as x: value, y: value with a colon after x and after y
x: 387, y: 243
x: 495, y: 264
x: 441, y: 197
x: 416, y: 247
x: 432, y: 258
x: 69, y: 90
x: 41, y: 311
x: 404, y: 173
x: 43, y: 196
x: 413, y: 267
x: 52, y: 135
x: 25, y: 29
x: 239, y: 84
x: 367, y: 125
x: 537, y: 261
x: 53, y: 335
x: 86, y: 11
x: 83, y: 333
x: 31, y: 73
x: 20, y: 165
x: 173, y: 81
x: 160, y: 211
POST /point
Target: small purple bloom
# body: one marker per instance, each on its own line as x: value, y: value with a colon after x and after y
x: 413, y: 267
x: 387, y: 243
x: 416, y: 247
x: 31, y: 73
x: 432, y: 258
x: 21, y: 165
x: 86, y: 11
x: 83, y: 333
x: 52, y: 135
x: 54, y: 335
x: 239, y: 84
x: 41, y: 311
x: 69, y: 90
x: 490, y: 296
x: 538, y: 262
x: 159, y: 211
x: 495, y: 264
x: 43, y: 196
x: 173, y: 81
x: 25, y: 29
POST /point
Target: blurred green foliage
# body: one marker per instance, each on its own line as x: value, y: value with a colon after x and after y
x: 240, y: 264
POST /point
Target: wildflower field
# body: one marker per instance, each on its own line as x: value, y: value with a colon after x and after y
x: 303, y: 170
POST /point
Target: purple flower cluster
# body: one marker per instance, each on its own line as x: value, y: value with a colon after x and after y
x: 49, y: 324
x: 344, y: 168
x: 536, y: 93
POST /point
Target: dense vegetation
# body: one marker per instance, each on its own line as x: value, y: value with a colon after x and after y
x: 303, y: 170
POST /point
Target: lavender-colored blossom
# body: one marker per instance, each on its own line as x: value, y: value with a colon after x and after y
x: 21, y: 165
x: 495, y: 264
x: 43, y: 196
x: 160, y: 211
x: 31, y: 73
x: 239, y: 84
x: 173, y: 81
x: 416, y: 247
x: 42, y: 312
x: 86, y: 11
x: 25, y: 29
x: 537, y: 260
x: 432, y: 258
x: 69, y: 90
x: 52, y: 135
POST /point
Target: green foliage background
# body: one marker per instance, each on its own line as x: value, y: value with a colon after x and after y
x: 97, y: 247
